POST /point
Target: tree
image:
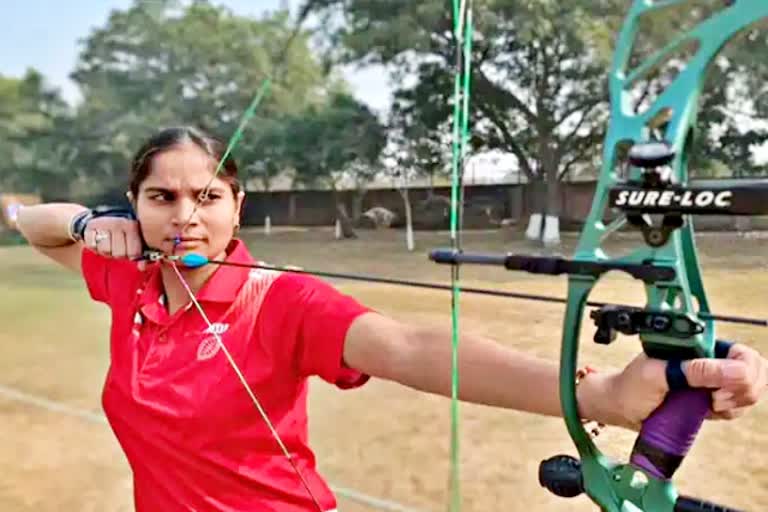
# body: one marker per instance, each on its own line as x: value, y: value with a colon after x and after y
x: 413, y: 152
x: 31, y: 114
x: 539, y: 79
x: 341, y: 140
x: 538, y: 91
x: 159, y: 63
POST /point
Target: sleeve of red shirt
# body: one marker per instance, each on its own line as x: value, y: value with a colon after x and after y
x: 104, y: 276
x: 318, y: 316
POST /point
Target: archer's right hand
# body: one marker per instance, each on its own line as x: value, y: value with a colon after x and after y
x: 114, y: 237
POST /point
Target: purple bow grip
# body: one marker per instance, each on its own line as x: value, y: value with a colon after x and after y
x: 668, y: 434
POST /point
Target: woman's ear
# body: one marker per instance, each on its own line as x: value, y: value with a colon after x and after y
x: 239, y: 202
x: 131, y: 199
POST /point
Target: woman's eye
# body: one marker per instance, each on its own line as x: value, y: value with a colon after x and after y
x: 161, y: 196
x: 209, y: 197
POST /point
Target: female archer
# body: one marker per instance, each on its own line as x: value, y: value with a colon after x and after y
x: 196, y: 351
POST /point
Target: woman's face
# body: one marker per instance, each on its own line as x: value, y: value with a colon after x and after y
x: 170, y: 203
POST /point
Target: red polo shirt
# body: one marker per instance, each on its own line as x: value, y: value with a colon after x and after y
x: 191, y: 433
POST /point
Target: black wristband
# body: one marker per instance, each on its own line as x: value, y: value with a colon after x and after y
x: 676, y: 378
x: 77, y: 225
x: 79, y: 222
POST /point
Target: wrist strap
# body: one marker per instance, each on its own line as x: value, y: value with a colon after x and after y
x: 77, y: 225
x: 722, y: 347
x: 676, y: 378
x: 80, y: 221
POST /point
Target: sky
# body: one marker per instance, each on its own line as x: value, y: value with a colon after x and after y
x: 45, y: 35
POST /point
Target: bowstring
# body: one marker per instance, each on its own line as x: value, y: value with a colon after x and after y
x: 244, y: 382
x: 462, y: 27
x: 249, y: 113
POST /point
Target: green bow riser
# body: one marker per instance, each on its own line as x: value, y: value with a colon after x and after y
x: 645, y: 483
x: 676, y: 322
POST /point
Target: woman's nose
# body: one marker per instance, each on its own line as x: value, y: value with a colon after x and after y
x: 186, y: 212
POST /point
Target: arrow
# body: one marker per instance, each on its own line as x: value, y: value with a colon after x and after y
x: 195, y: 260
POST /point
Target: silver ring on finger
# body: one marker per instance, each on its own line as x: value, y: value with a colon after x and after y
x: 100, y: 236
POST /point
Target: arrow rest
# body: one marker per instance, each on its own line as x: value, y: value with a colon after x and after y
x: 611, y: 320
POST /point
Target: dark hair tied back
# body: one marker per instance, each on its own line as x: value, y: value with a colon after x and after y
x: 174, y: 136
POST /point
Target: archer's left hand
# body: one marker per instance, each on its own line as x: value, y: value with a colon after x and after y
x: 743, y: 381
x: 737, y: 383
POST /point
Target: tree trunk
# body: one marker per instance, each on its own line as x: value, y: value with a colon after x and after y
x: 551, y: 236
x: 409, y: 242
x: 292, y: 208
x: 550, y: 198
x: 538, y: 210
x: 267, y: 198
x: 357, y: 203
x: 347, y: 228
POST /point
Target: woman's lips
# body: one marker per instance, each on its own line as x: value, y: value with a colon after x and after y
x: 186, y: 243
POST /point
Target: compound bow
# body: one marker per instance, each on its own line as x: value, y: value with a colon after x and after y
x: 676, y: 324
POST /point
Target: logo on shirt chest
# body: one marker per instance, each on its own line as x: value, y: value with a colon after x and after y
x: 211, y: 344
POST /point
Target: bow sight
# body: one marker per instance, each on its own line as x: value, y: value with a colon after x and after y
x: 653, y: 190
